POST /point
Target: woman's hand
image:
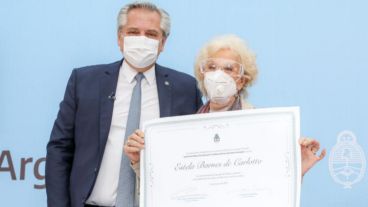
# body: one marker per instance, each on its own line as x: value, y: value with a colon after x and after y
x: 309, y: 148
x: 133, y: 145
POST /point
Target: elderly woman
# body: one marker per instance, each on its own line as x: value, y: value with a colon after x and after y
x: 224, y: 69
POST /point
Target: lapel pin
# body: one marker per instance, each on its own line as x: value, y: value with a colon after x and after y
x: 167, y: 83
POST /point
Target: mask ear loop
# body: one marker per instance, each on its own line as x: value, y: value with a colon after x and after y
x: 243, y: 73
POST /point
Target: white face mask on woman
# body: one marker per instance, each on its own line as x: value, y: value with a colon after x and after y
x: 220, y: 87
x: 140, y: 51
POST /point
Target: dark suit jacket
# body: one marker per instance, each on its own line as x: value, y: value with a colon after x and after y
x: 80, y: 131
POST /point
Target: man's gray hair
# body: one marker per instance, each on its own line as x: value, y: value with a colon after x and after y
x: 165, y: 18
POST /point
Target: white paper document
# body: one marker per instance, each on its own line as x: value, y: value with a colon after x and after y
x: 245, y: 158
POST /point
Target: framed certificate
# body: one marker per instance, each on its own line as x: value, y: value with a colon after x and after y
x: 238, y: 158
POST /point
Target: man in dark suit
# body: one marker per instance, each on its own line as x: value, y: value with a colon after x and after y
x: 86, y: 144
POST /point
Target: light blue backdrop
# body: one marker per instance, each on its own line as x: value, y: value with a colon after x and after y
x: 310, y: 53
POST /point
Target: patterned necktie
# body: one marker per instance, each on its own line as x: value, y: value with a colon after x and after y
x: 126, y: 188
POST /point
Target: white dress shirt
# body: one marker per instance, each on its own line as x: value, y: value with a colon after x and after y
x: 105, y: 188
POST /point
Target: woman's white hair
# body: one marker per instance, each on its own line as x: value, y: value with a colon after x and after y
x: 165, y: 18
x: 235, y: 44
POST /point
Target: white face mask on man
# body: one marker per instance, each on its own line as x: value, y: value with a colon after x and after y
x: 220, y: 87
x: 140, y: 51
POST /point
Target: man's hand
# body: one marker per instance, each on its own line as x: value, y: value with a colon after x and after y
x: 133, y: 146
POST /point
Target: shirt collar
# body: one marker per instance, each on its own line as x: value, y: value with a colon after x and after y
x: 129, y: 73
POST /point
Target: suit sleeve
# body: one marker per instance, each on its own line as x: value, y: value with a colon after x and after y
x: 60, y: 149
x: 198, y: 98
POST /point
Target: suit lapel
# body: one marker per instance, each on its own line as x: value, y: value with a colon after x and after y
x: 164, y: 91
x: 108, y: 83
